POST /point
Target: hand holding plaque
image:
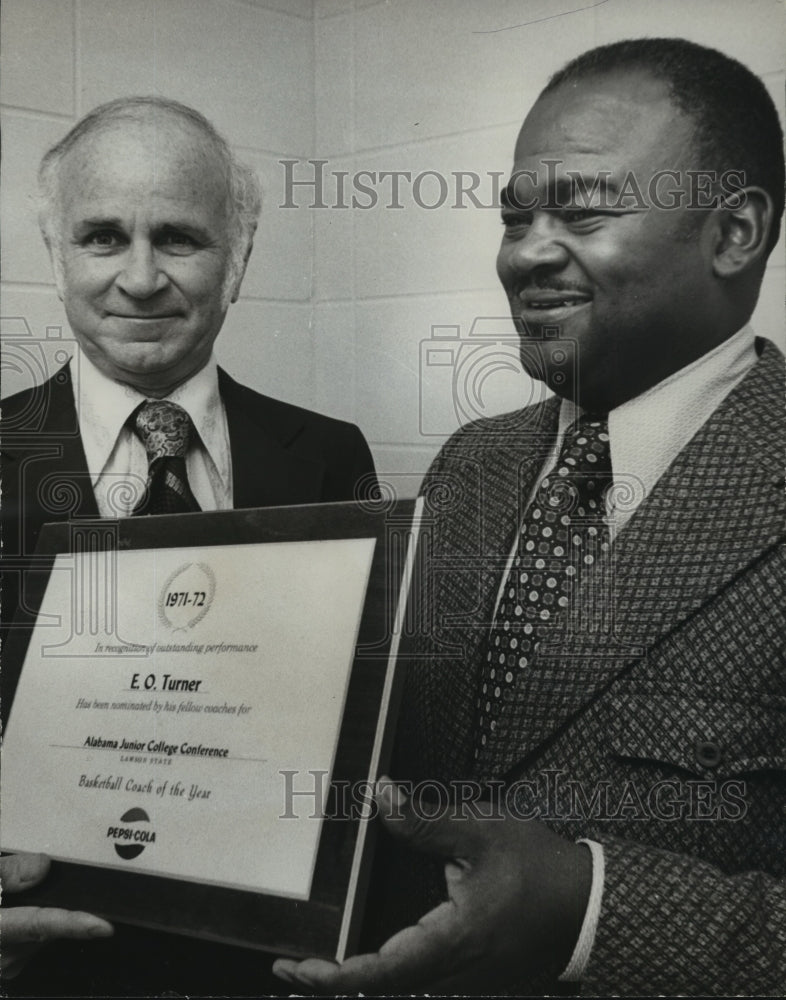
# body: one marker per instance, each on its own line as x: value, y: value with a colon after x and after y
x: 28, y: 928
x: 516, y: 890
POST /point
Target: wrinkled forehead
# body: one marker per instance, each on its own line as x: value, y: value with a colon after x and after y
x: 160, y: 153
x: 605, y: 125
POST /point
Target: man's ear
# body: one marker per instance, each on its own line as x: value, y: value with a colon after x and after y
x: 56, y: 261
x: 239, y: 279
x: 745, y: 221
x: 57, y: 272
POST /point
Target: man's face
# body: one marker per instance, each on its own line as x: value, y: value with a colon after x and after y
x: 632, y: 287
x: 143, y: 250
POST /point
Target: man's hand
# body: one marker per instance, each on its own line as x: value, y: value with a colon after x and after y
x: 517, y: 897
x: 24, y: 929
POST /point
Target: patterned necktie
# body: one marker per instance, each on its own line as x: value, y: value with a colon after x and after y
x: 164, y: 429
x: 563, y: 533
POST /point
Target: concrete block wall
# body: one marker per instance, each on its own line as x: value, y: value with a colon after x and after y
x: 342, y: 306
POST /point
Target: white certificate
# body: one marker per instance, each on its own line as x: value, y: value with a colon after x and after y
x: 166, y: 724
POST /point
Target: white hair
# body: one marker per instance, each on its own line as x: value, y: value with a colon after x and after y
x: 245, y: 198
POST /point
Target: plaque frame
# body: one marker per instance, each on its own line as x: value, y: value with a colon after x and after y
x: 327, y: 924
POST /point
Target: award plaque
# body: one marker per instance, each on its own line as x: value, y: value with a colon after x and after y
x: 202, y: 708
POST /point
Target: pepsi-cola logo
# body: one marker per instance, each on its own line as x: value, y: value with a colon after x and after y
x: 134, y: 835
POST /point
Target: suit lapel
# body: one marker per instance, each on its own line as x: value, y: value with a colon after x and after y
x: 717, y: 508
x: 46, y: 464
x: 46, y: 460
x: 265, y: 472
x: 478, y: 488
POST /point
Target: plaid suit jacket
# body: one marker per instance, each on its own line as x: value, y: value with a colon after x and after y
x: 662, y: 734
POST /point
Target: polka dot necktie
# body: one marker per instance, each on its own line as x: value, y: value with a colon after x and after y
x: 164, y: 429
x: 563, y: 533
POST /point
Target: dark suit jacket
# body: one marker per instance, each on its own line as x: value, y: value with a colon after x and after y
x: 664, y: 738
x: 281, y: 455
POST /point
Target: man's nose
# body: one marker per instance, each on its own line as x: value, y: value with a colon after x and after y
x: 141, y: 275
x: 539, y: 246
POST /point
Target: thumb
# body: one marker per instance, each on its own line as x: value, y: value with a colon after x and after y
x: 22, y: 871
x: 433, y: 827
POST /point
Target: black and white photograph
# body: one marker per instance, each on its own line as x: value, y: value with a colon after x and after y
x: 393, y: 498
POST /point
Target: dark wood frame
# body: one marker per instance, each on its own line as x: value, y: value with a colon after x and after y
x: 256, y: 920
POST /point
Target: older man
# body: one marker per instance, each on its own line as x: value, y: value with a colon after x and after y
x: 149, y: 220
x: 606, y: 650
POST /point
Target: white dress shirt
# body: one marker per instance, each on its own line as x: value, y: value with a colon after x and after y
x: 116, y: 458
x: 645, y: 436
x: 647, y: 433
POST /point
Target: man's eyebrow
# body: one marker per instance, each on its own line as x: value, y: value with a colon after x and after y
x: 97, y: 222
x: 568, y: 187
x: 189, y: 228
x: 509, y: 199
x: 558, y: 192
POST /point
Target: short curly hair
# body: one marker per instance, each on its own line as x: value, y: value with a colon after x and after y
x: 736, y: 122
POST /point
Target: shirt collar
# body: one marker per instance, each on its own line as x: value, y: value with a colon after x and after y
x: 200, y: 398
x: 648, y: 432
x: 104, y: 406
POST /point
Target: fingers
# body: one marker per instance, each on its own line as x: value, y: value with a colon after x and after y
x: 431, y: 950
x: 24, y: 925
x: 14, y: 960
x: 416, y: 956
x: 25, y: 928
x: 22, y: 871
x: 435, y: 828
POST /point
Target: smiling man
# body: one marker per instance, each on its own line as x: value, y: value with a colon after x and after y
x: 605, y: 236
x: 591, y: 740
x: 149, y: 220
x: 141, y: 241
